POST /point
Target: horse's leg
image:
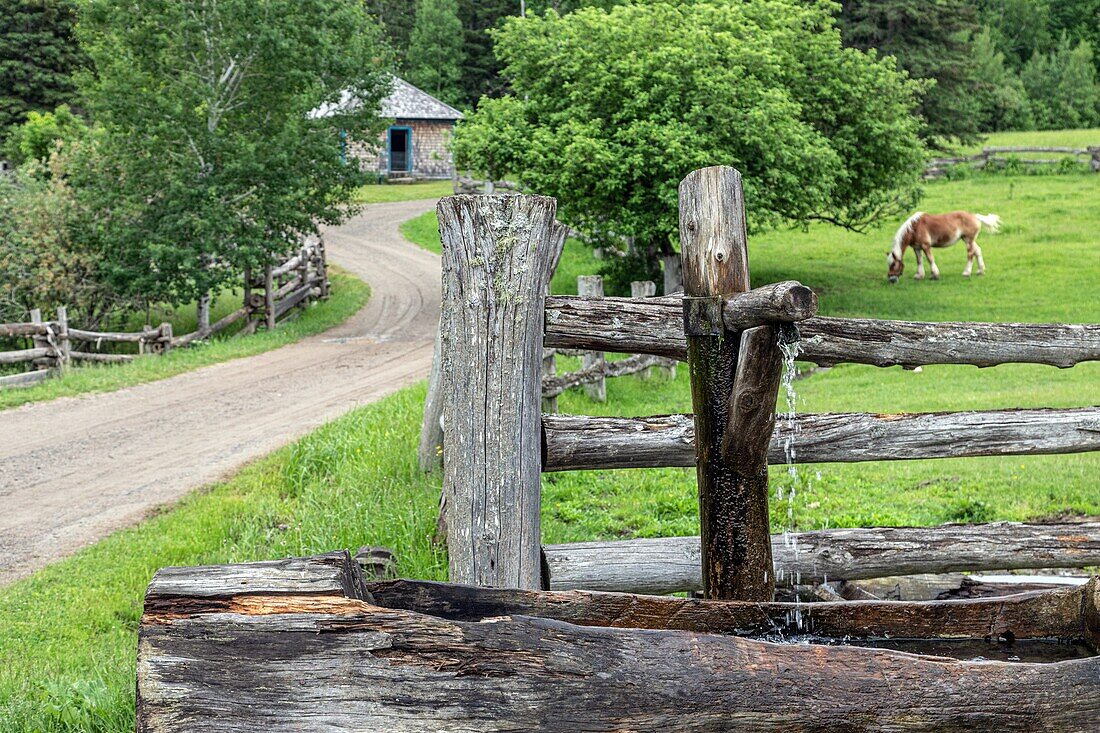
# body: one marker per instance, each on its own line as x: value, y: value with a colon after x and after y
x: 919, y: 275
x: 969, y: 256
x: 981, y: 261
x: 931, y: 261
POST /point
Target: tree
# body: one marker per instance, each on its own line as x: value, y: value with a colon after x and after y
x: 1020, y: 28
x: 1062, y: 86
x: 214, y: 159
x: 434, y: 60
x: 38, y: 56
x: 931, y: 40
x: 609, y: 110
x: 40, y: 135
x: 1002, y: 99
x: 396, y: 19
x: 481, y: 70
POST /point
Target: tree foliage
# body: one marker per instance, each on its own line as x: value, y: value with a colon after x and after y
x: 931, y: 40
x: 38, y: 56
x: 1062, y: 86
x: 214, y: 160
x: 609, y: 110
x: 435, y: 54
x: 41, y: 134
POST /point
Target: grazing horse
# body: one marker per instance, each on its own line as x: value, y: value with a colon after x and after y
x: 923, y: 231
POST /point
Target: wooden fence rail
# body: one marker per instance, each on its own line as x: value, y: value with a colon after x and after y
x: 656, y: 327
x: 937, y: 167
x: 574, y: 442
x: 294, y: 282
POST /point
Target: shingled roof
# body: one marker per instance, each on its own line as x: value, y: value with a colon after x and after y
x: 404, y: 102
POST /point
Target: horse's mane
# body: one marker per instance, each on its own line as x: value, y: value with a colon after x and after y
x: 903, y: 230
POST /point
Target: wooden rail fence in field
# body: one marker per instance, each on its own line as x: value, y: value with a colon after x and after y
x: 508, y: 646
x: 996, y: 156
x: 55, y: 345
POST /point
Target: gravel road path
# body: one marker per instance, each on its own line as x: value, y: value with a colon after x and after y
x: 74, y: 469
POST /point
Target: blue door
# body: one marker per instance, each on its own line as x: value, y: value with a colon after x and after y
x: 400, y: 149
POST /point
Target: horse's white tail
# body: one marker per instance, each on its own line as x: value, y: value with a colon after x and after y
x: 990, y: 220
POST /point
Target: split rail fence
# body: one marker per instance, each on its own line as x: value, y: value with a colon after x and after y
x: 506, y: 645
x: 55, y: 345
x: 1000, y: 157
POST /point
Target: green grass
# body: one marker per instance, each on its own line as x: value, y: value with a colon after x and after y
x: 349, y: 294
x: 388, y: 192
x: 68, y: 633
x: 1038, y: 138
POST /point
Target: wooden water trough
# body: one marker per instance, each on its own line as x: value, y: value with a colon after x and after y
x: 529, y: 637
x: 305, y: 644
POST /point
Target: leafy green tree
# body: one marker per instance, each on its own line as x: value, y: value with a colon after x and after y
x: 1019, y: 28
x: 609, y: 110
x: 1062, y: 87
x: 214, y: 159
x: 396, y: 19
x: 481, y: 69
x: 38, y: 56
x: 1002, y: 99
x: 434, y: 60
x: 931, y: 40
x: 40, y: 135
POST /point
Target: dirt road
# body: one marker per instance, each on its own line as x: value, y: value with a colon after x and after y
x: 74, y: 469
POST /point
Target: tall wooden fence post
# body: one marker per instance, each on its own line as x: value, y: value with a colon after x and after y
x: 498, y: 256
x: 64, y: 348
x: 591, y: 286
x: 733, y: 521
x: 549, y: 369
x: 429, y: 452
x: 269, y: 298
x: 643, y: 289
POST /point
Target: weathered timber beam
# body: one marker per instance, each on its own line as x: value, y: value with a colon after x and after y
x: 672, y: 564
x: 573, y: 442
x: 827, y: 341
x: 1048, y: 614
x: 101, y: 358
x: 26, y: 378
x: 1072, y: 151
x: 13, y: 330
x: 293, y: 299
x: 334, y: 574
x: 655, y: 327
x: 222, y: 324
x: 556, y: 385
x: 18, y: 357
x: 284, y: 663
x: 114, y: 337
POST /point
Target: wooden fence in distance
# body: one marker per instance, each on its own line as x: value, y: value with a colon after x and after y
x: 55, y: 345
x: 1000, y: 157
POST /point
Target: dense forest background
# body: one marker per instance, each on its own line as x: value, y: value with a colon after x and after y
x: 990, y: 65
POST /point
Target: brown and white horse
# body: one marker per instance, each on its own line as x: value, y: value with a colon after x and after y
x: 923, y: 231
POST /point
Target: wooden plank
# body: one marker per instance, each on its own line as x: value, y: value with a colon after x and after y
x: 24, y: 379
x: 590, y: 286
x: 330, y: 574
x: 292, y: 300
x: 15, y: 330
x: 1059, y: 614
x: 575, y: 442
x: 1048, y: 149
x: 430, y: 449
x: 269, y: 298
x: 101, y: 358
x: 655, y: 327
x: 77, y: 334
x: 321, y: 663
x: 498, y: 256
x: 828, y: 341
x: 671, y: 564
x: 19, y: 357
x: 716, y: 265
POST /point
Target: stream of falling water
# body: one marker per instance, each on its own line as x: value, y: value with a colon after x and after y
x: 789, y: 346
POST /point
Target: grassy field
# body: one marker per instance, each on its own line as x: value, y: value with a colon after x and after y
x: 68, y: 660
x: 349, y: 294
x: 1038, y: 138
x: 386, y: 192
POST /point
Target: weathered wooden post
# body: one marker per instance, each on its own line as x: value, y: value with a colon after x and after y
x: 643, y: 289
x: 165, y: 337
x: 498, y: 256
x: 430, y: 451
x: 549, y: 369
x: 322, y: 268
x: 64, y: 348
x: 303, y: 274
x: 733, y: 511
x: 269, y: 298
x: 591, y: 286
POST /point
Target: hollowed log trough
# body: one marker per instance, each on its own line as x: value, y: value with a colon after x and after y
x: 306, y: 644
